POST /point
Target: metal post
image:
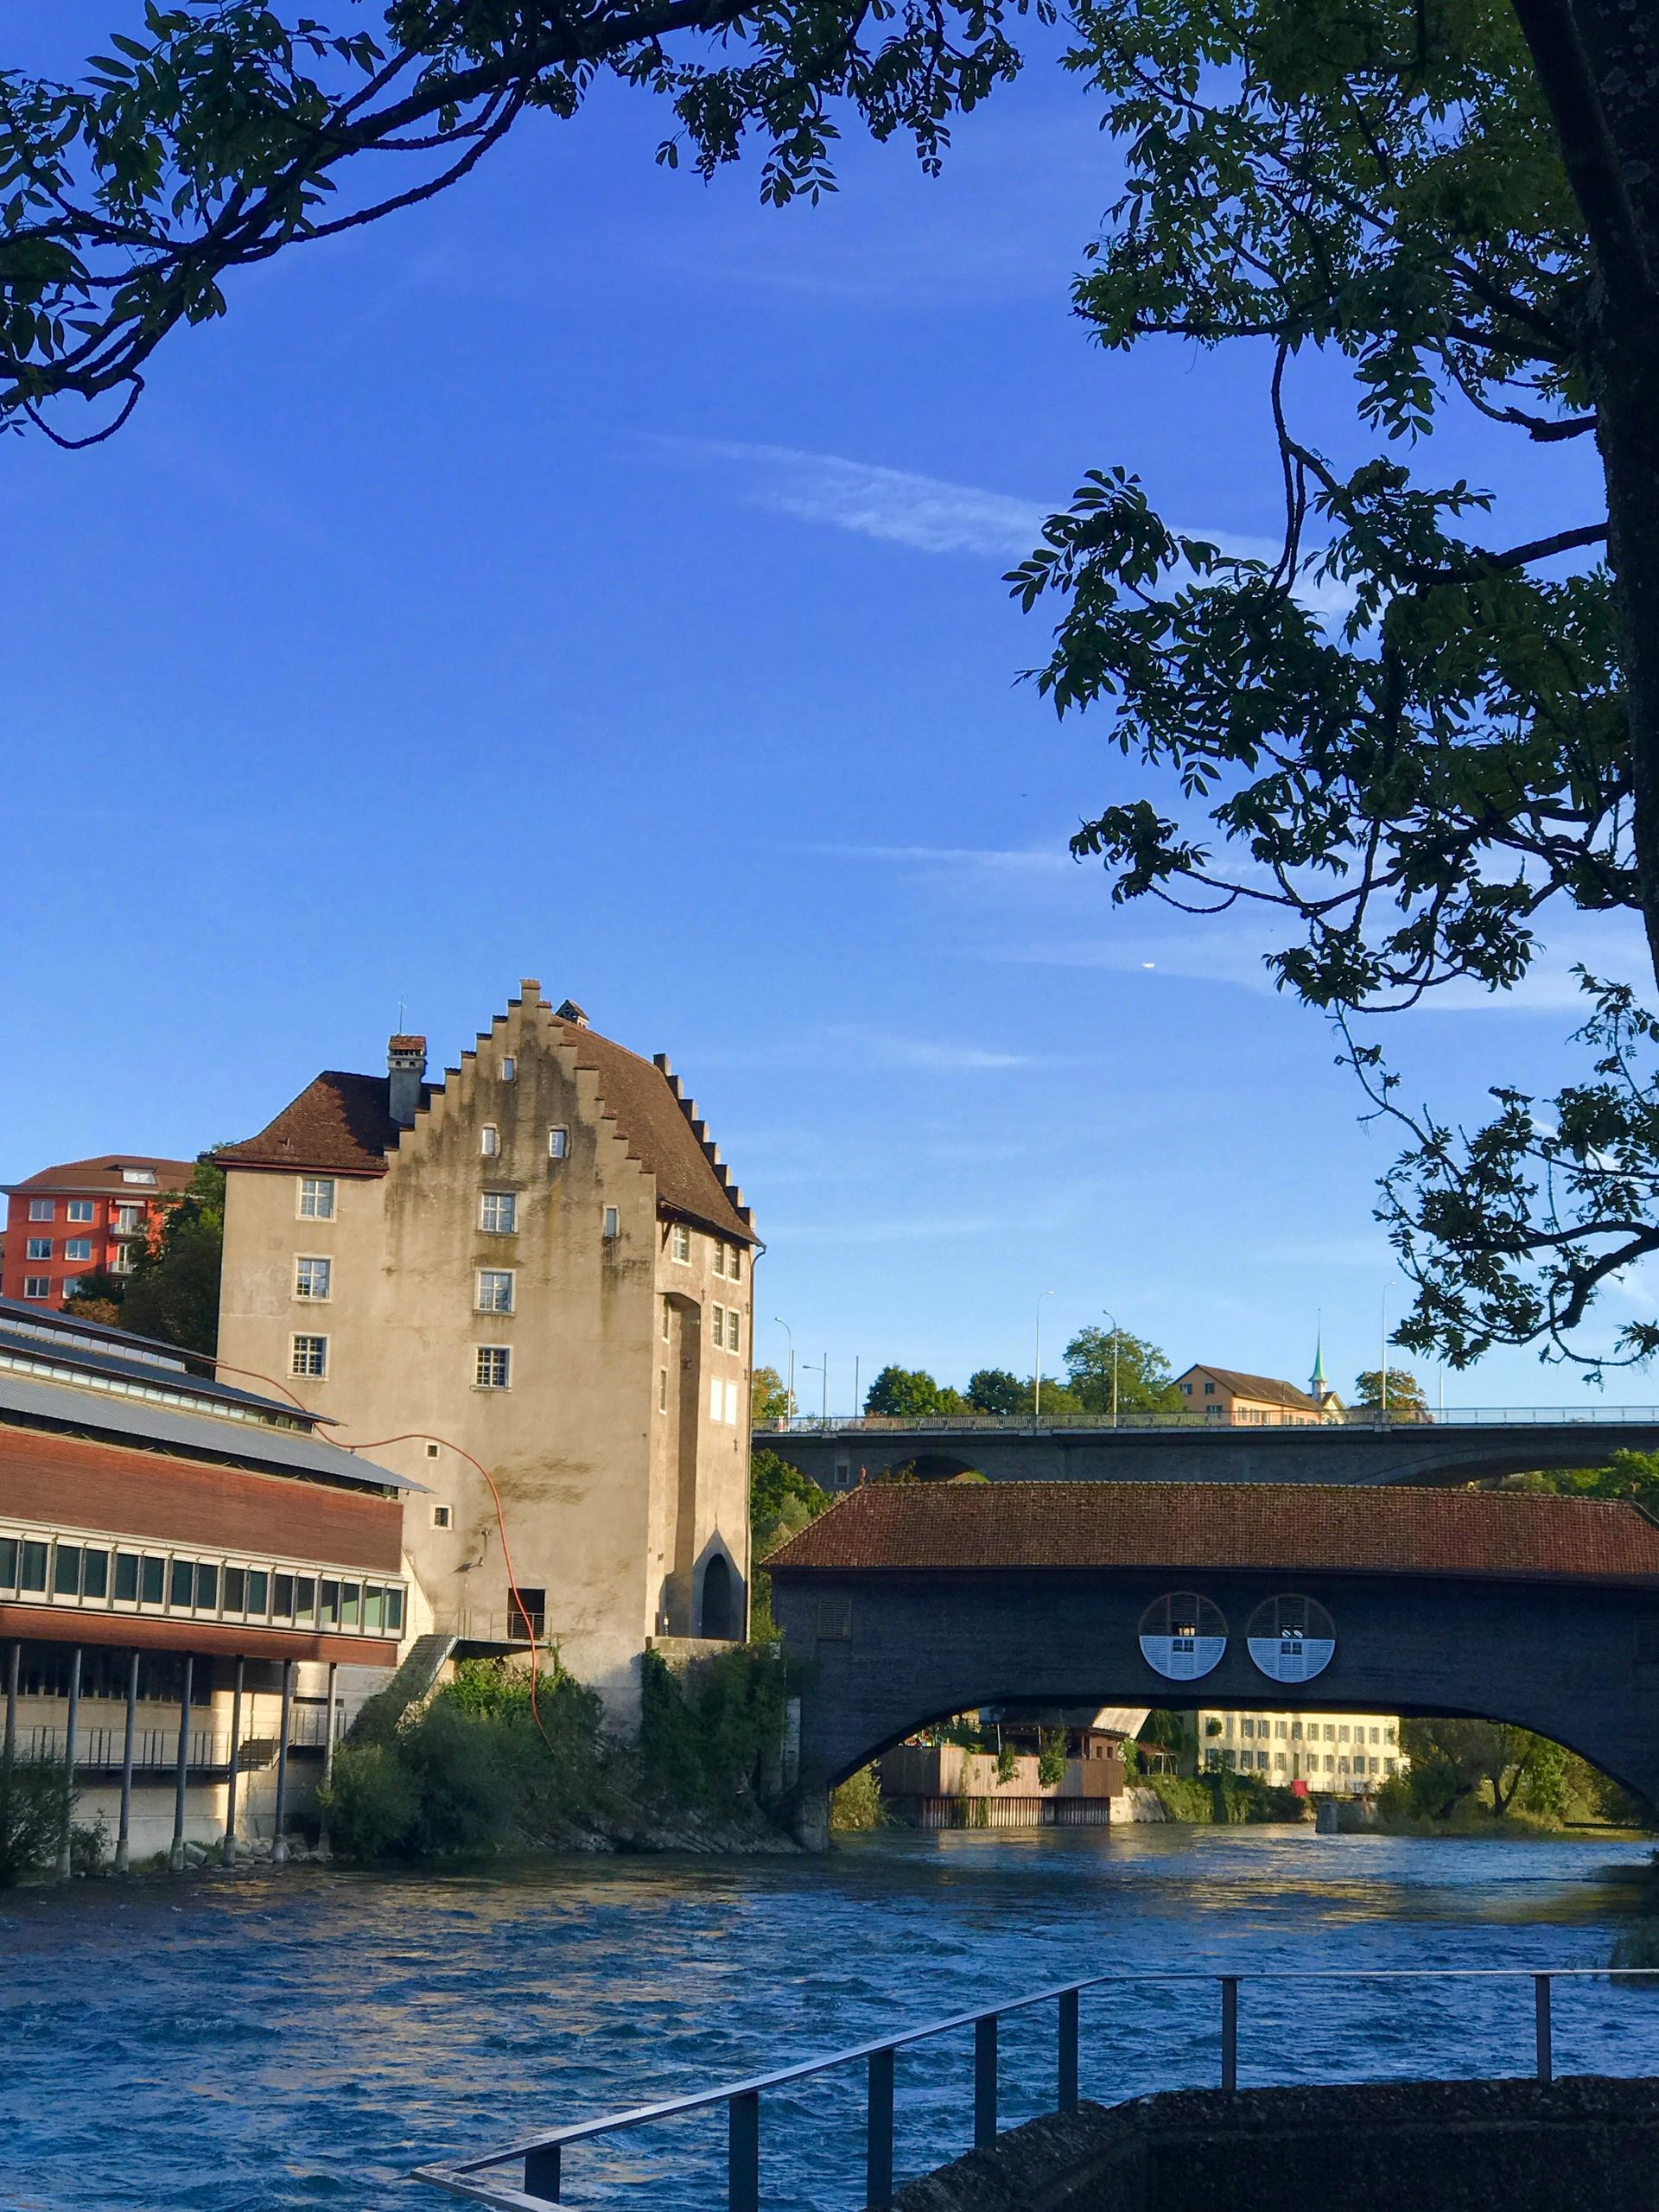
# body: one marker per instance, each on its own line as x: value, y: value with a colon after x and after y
x: 278, y: 1841
x: 175, y: 1857
x: 227, y: 1849
x: 123, y: 1839
x: 1546, y: 2046
x: 329, y: 1776
x: 65, y: 1854
x: 878, y: 2133
x: 542, y: 2173
x: 1230, y: 2032
x: 985, y: 2082
x: 1068, y: 2051
x: 743, y: 2153
x: 14, y: 1661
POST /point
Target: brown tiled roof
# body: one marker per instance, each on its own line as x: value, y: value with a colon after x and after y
x: 1266, y: 1389
x: 104, y: 1173
x: 339, y: 1121
x: 638, y: 1093
x: 1286, y: 1528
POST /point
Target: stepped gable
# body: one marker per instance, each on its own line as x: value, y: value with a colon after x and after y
x: 1278, y: 1527
x: 662, y: 1130
x: 342, y: 1123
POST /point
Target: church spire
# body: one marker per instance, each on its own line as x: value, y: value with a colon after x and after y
x: 1318, y: 1388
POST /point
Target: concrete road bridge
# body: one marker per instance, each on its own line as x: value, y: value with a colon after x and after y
x: 914, y: 1601
x: 1454, y: 1446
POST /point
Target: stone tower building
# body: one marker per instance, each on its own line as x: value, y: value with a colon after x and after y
x: 538, y: 1265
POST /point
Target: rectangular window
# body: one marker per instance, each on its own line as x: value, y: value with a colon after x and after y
x: 281, y: 1597
x: 9, y: 1553
x: 681, y: 1245
x: 351, y: 1604
x: 329, y: 1615
x: 66, y: 1572
x: 80, y: 1210
x: 394, y: 1613
x: 719, y: 1259
x: 718, y: 1325
x: 492, y: 1367
x: 207, y: 1589
x: 374, y: 1608
x: 235, y: 1590
x: 526, y: 1613
x: 313, y: 1278
x: 509, y: 1067
x: 498, y: 1213
x: 665, y: 1327
x: 495, y: 1290
x: 37, y: 1286
x: 94, y: 1573
x: 126, y: 1578
x: 308, y: 1355
x: 121, y: 1260
x: 258, y: 1590
x: 137, y: 1174
x: 181, y: 1583
x: 305, y: 1597
x: 715, y: 1399
x: 661, y: 1390
x: 730, y: 1390
x: 735, y: 1263
x: 78, y: 1247
x: 152, y: 1581
x: 39, y: 1209
x: 128, y: 1218
x: 440, y: 1516
x: 558, y: 1143
x: 33, y: 1573
x: 489, y: 1140
x: 316, y: 1197
x: 38, y: 1248
x: 70, y: 1286
x: 613, y: 1224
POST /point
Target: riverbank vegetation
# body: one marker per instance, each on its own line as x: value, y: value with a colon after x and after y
x: 494, y: 1762
x: 37, y: 1804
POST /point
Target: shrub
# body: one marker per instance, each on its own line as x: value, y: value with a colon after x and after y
x: 701, y: 1734
x: 1638, y: 1947
x: 857, y: 1803
x: 1007, y: 1758
x: 36, y: 1800
x: 370, y: 1802
x: 1051, y: 1756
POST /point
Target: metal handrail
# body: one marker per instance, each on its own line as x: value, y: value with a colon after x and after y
x: 541, y: 2156
x: 1362, y: 1417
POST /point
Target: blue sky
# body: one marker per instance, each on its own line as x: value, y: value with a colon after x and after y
x: 595, y: 576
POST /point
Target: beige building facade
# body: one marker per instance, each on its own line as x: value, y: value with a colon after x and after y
x: 1236, y: 1400
x: 1345, y: 1754
x: 529, y: 1286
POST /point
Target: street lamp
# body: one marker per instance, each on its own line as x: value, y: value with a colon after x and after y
x: 1383, y: 1371
x: 821, y: 1368
x: 1037, y: 1372
x: 1112, y: 1317
x: 783, y: 1324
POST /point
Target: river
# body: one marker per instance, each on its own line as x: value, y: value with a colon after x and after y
x: 299, y: 2040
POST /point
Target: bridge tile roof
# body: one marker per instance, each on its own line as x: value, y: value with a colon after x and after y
x: 1286, y: 1528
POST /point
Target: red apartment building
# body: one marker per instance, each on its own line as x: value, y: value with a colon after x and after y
x: 66, y: 1221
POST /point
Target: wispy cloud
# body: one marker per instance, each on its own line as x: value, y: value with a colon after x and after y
x: 986, y: 860
x: 851, y: 1043
x: 930, y: 514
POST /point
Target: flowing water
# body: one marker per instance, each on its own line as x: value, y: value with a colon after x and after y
x: 301, y: 2040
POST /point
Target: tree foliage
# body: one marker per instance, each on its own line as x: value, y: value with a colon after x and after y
x: 173, y: 1292
x: 768, y: 1395
x: 1144, y: 1384
x: 998, y: 1390
x: 1426, y: 738
x: 227, y: 131
x: 1405, y: 1392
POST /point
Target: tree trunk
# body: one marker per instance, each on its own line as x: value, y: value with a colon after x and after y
x: 1598, y: 62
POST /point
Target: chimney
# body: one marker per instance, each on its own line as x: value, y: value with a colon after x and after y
x: 405, y: 1072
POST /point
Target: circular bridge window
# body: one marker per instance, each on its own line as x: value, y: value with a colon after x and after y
x: 1182, y: 1636
x: 1291, y: 1639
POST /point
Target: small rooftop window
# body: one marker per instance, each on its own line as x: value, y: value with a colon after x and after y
x: 138, y: 1175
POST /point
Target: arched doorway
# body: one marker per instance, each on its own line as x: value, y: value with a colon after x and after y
x: 719, y: 1597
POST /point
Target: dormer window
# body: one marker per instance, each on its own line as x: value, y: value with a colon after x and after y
x: 138, y: 1175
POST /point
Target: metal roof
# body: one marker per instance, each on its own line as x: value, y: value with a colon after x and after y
x: 119, y: 1415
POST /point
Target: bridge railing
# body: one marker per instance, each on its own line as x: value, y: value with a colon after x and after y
x: 1361, y: 1417
x: 540, y: 2159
